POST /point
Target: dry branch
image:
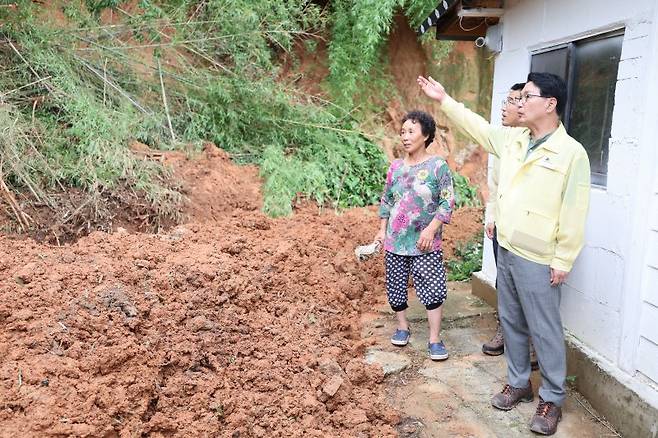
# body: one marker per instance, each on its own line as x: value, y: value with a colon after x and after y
x: 24, y: 86
x: 21, y: 217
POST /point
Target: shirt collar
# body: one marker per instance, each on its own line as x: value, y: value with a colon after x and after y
x: 550, y: 145
x: 533, y: 144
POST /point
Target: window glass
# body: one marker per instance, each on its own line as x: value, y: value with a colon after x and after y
x: 590, y: 69
x: 553, y: 61
x: 593, y: 96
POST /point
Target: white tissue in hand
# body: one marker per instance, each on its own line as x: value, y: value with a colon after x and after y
x: 364, y: 252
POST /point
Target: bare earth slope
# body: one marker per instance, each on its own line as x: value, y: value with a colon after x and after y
x: 234, y: 324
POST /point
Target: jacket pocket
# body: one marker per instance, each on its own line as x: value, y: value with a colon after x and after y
x: 534, y: 232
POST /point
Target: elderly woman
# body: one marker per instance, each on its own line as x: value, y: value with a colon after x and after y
x: 418, y: 199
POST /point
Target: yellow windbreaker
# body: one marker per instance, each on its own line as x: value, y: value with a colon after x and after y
x: 490, y: 208
x: 542, y: 199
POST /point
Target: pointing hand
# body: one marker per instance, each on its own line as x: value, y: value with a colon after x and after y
x: 432, y: 88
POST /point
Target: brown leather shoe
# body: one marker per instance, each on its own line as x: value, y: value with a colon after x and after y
x: 496, y: 346
x: 511, y: 396
x: 546, y: 418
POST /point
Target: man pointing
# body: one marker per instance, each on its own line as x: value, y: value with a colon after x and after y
x: 541, y: 208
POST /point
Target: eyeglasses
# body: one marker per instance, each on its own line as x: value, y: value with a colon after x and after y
x: 510, y: 101
x: 524, y: 97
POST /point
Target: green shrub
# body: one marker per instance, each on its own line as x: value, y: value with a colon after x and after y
x: 466, y: 195
x: 96, y: 6
x: 302, y: 148
x: 468, y: 259
x: 88, y: 129
x: 217, y: 61
x: 359, y: 31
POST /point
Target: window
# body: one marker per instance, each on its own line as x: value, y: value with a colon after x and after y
x: 589, y: 67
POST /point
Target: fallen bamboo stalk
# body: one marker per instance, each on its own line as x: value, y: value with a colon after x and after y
x: 22, y: 59
x: 133, y: 27
x: 26, y: 63
x: 196, y: 11
x: 116, y: 87
x: 24, y: 86
x: 201, y: 40
x: 127, y: 58
x: 18, y: 166
x: 164, y: 100
x: 104, y: 81
x: 196, y: 51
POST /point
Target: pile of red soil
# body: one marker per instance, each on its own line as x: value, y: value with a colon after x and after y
x: 214, y: 186
x: 235, y: 324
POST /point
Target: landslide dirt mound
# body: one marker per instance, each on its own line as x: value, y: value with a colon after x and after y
x: 246, y: 326
x: 213, y: 185
x: 235, y: 324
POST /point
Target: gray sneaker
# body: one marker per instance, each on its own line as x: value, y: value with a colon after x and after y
x: 400, y: 337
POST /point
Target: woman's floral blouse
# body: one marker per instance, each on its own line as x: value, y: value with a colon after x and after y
x: 413, y: 196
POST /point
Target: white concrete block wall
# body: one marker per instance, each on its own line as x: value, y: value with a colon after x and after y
x: 649, y: 366
x: 648, y: 326
x: 599, y: 277
x: 611, y: 296
x: 625, y: 104
x: 640, y: 306
x: 653, y: 214
x: 649, y: 288
x: 652, y: 254
x: 592, y: 322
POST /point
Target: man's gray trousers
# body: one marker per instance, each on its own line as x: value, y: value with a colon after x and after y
x: 529, y: 306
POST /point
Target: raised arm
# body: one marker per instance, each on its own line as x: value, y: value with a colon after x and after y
x: 492, y: 138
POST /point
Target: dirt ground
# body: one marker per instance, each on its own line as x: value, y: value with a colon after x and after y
x: 234, y: 324
x: 452, y: 398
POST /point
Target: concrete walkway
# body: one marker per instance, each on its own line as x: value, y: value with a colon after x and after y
x: 452, y: 398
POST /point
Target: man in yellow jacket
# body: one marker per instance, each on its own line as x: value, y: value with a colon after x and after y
x: 541, y: 209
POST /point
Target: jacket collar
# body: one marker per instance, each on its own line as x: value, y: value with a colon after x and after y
x: 552, y: 144
x: 555, y: 140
